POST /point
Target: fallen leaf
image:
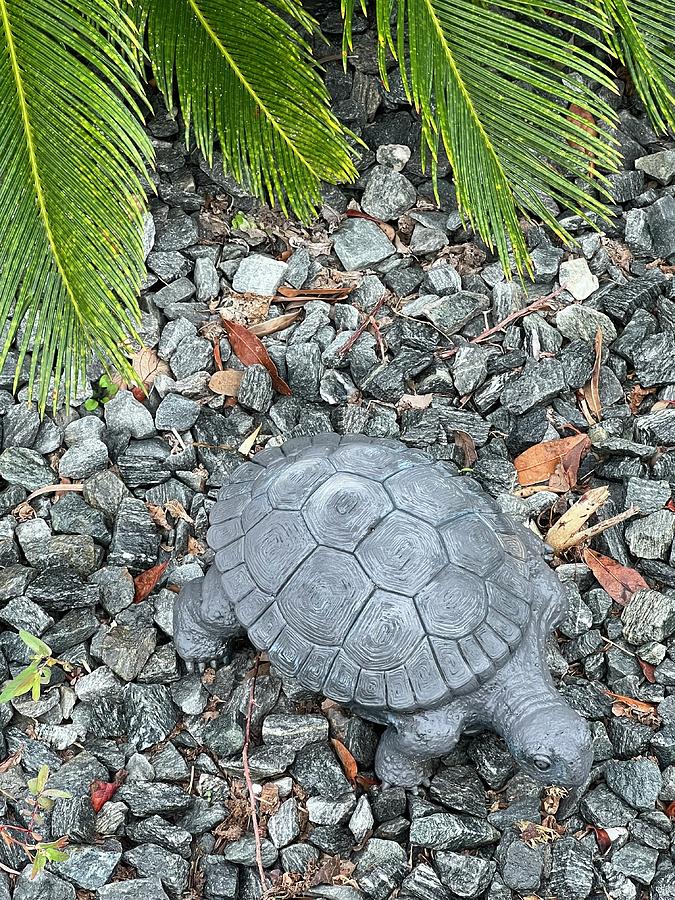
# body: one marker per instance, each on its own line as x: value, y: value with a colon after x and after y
x: 385, y: 226
x: 217, y: 358
x: 271, y: 326
x: 49, y: 488
x: 662, y: 404
x: 670, y: 810
x: 537, y: 464
x: 590, y: 394
x: 347, y: 761
x: 567, y: 531
x: 147, y: 365
x: 533, y: 834
x: 146, y: 582
x: 102, y: 791
x: 415, y: 401
x: 195, y: 548
x: 637, y: 705
x: 671, y: 505
x: 10, y: 761
x: 226, y: 382
x: 636, y: 396
x: 619, y: 581
x: 466, y: 445
x: 158, y: 516
x: 248, y: 444
x: 365, y: 782
x: 250, y: 349
x: 602, y: 839
x: 177, y: 510
x: 315, y: 293
x: 647, y: 670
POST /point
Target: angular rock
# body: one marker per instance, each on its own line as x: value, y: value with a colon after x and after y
x: 464, y: 876
x: 135, y: 541
x: 577, y: 278
x: 259, y: 274
x: 360, y: 244
x: 659, y: 166
x: 655, y: 360
x: 650, y: 616
x: 578, y: 322
x: 126, y: 650
x: 537, y: 385
x: 651, y: 537
x: 176, y: 412
x: 123, y: 413
x: 89, y: 867
x: 637, y: 781
x: 25, y: 467
x: 388, y: 194
x: 446, y: 831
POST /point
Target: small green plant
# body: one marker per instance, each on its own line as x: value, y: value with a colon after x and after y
x: 39, y: 852
x: 36, y: 674
x: 105, y: 390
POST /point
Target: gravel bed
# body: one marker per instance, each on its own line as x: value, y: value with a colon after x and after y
x: 169, y: 744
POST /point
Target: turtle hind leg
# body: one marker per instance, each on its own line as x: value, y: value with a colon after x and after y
x: 407, y: 750
x: 197, y: 637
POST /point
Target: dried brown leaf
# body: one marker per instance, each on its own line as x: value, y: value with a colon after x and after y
x: 248, y: 444
x: 146, y: 582
x: 250, y: 350
x: 271, y: 326
x: 226, y: 382
x: 619, y: 581
x: 638, y: 705
x: 636, y: 396
x: 466, y: 445
x: 177, y: 510
x: 147, y: 365
x: 415, y: 401
x: 566, y: 532
x: 158, y: 516
x: 346, y: 760
x: 562, y: 457
x: 647, y: 670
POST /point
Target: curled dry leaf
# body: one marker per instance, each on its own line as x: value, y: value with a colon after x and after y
x: 629, y: 706
x: 102, y: 791
x: 347, y: 761
x: 415, y: 401
x: 146, y: 582
x: 559, y: 458
x: 248, y: 444
x: 226, y: 382
x: 590, y: 395
x: 567, y: 531
x: 619, y: 581
x: 466, y: 445
x: 147, y: 365
x: 271, y: 326
x: 250, y: 350
x: 648, y: 670
x: 177, y: 510
x: 636, y: 396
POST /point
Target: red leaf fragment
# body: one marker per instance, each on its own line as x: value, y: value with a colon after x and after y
x: 102, y: 791
x: 562, y: 457
x: 250, y: 350
x: 619, y: 581
x: 603, y: 840
x: 146, y: 582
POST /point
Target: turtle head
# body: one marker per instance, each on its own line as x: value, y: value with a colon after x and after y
x: 553, y: 745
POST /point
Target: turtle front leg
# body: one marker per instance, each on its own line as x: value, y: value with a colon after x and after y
x: 203, y: 622
x: 408, y: 748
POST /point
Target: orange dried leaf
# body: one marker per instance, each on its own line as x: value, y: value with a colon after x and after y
x: 637, y: 705
x: 670, y: 810
x: 647, y: 670
x: 271, y: 326
x: 147, y: 365
x: 347, y: 761
x: 146, y: 582
x: 538, y: 463
x: 250, y: 350
x: 619, y: 581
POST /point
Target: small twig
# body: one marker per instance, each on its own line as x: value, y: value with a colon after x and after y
x: 512, y: 317
x: 594, y: 530
x: 249, y: 780
x: 369, y: 319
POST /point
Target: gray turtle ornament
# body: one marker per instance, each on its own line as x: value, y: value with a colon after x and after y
x: 372, y: 575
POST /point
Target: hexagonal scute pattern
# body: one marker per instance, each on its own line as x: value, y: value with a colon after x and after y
x: 453, y: 603
x: 344, y: 509
x: 471, y: 545
x: 295, y: 482
x: 385, y: 633
x: 402, y: 553
x: 275, y: 547
x: 372, y: 460
x: 429, y: 494
x: 324, y: 596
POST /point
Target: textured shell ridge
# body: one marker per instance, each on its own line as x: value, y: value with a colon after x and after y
x: 371, y: 573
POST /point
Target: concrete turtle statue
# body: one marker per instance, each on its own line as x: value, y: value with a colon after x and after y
x: 373, y: 575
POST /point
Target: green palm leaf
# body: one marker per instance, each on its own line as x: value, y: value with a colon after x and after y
x: 72, y: 145
x: 243, y: 72
x: 644, y: 41
x: 490, y: 83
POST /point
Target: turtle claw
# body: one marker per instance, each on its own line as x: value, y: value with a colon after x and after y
x: 214, y: 664
x: 201, y: 666
x: 190, y: 666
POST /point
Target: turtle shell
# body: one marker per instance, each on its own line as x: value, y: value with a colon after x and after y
x: 370, y: 573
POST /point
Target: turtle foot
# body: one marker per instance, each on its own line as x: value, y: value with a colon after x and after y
x: 196, y: 643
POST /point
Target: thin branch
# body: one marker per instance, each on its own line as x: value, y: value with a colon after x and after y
x: 369, y: 319
x: 249, y: 780
x: 537, y: 304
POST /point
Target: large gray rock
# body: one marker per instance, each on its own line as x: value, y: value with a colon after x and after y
x: 123, y: 413
x: 659, y: 166
x: 388, y: 194
x: 649, y: 616
x: 360, y: 244
x: 258, y: 274
x: 135, y: 540
x: 25, y: 467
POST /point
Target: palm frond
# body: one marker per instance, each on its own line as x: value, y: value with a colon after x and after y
x: 72, y: 145
x: 644, y: 40
x: 244, y: 73
x: 491, y: 83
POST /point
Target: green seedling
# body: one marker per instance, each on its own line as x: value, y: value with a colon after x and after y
x: 104, y: 391
x: 36, y: 674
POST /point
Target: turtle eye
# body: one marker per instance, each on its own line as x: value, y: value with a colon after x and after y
x: 543, y: 763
